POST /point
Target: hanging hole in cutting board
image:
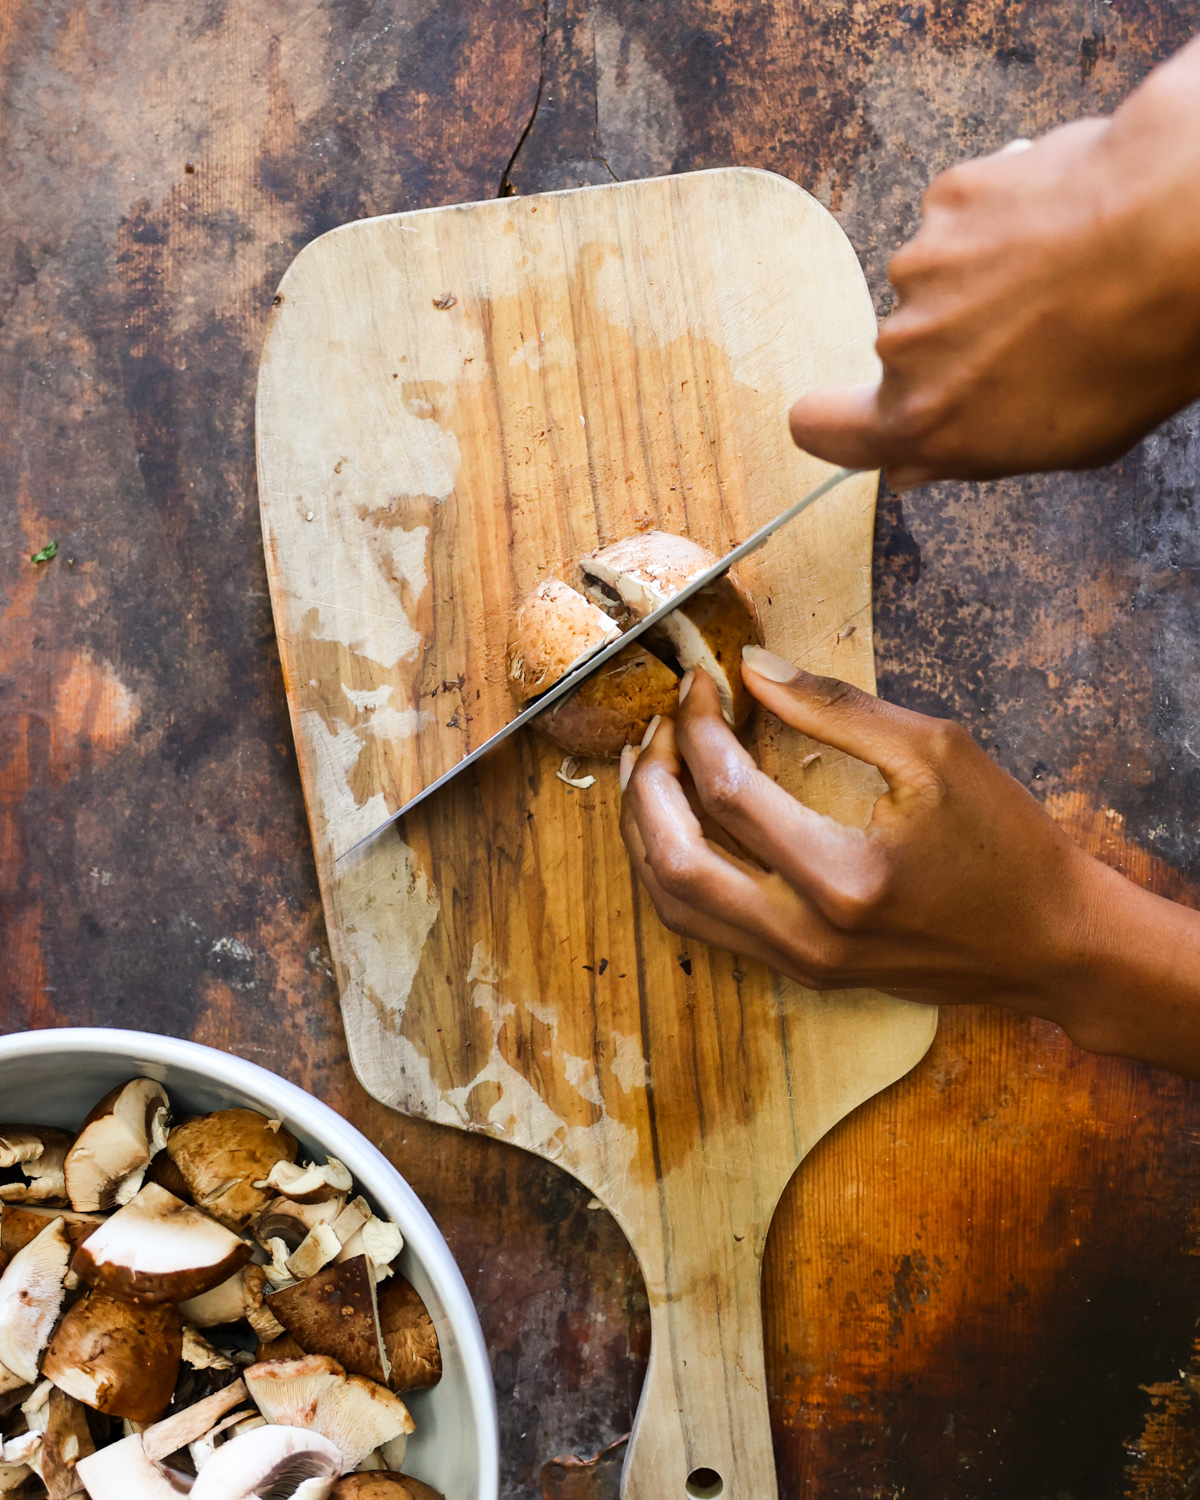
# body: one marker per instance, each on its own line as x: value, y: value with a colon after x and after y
x: 704, y: 1484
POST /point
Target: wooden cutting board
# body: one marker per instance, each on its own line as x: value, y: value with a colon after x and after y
x: 452, y: 405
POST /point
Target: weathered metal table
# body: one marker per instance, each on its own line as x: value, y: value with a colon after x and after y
x: 985, y: 1283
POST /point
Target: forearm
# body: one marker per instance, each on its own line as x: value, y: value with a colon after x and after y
x: 1130, y: 985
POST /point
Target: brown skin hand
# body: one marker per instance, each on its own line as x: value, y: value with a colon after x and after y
x: 1049, y: 306
x: 960, y: 888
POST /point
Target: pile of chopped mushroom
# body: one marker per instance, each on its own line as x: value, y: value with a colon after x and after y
x: 189, y: 1310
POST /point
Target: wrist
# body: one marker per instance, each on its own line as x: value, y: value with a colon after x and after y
x: 1125, y: 980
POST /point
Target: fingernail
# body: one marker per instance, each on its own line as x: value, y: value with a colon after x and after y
x: 685, y: 685
x: 628, y: 761
x: 767, y: 664
x: 650, y: 728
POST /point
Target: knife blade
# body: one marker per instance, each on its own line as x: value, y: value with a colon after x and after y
x: 584, y: 668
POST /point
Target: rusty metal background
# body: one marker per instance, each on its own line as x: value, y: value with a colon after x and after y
x: 985, y: 1283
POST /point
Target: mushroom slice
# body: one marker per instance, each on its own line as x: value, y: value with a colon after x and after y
x: 39, y: 1152
x: 198, y: 1354
x: 116, y: 1357
x: 383, y: 1486
x: 285, y: 1219
x: 335, y: 1313
x: 123, y: 1472
x: 311, y: 1184
x: 556, y: 628
x: 271, y: 1462
x: 315, y: 1392
x: 226, y: 1303
x: 22, y: 1222
x: 260, y: 1317
x: 409, y: 1337
x: 316, y: 1249
x: 378, y: 1239
x: 66, y: 1440
x: 159, y: 1249
x: 18, y: 1481
x: 31, y: 1294
x: 708, y: 632
x: 193, y: 1422
x: 105, y: 1166
x: 223, y: 1155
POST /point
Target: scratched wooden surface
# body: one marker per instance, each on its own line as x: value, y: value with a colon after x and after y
x: 616, y: 358
x: 986, y: 1282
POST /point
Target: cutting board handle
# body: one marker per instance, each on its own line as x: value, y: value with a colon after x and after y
x: 703, y: 1430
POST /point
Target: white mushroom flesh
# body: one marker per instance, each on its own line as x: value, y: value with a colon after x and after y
x: 122, y: 1471
x: 315, y: 1392
x: 268, y: 1461
x: 31, y: 1294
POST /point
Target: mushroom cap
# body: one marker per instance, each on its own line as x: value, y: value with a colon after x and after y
x: 335, y: 1313
x: 555, y: 628
x: 266, y: 1460
x: 105, y: 1166
x: 315, y: 1392
x: 707, y: 632
x: 117, y: 1357
x: 383, y: 1485
x: 31, y: 1294
x: 409, y: 1337
x: 221, y: 1156
x: 159, y: 1249
x: 39, y: 1151
x: 22, y: 1222
x: 613, y: 707
x: 121, y: 1471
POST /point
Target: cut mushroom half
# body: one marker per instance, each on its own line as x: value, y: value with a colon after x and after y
x: 356, y: 1414
x: 123, y: 1472
x: 285, y: 1219
x: 638, y: 575
x: 116, y: 1357
x: 315, y: 1183
x: 37, y: 1153
x: 556, y: 628
x: 105, y: 1166
x: 384, y: 1486
x: 336, y: 1313
x: 271, y: 1461
x: 159, y: 1249
x: 225, y: 1303
x: 223, y: 1155
x: 31, y: 1295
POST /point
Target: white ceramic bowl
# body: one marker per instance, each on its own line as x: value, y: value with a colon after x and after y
x: 54, y: 1077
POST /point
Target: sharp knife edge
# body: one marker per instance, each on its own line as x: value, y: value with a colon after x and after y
x: 589, y: 664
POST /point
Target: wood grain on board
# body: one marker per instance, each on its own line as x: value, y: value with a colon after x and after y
x: 452, y: 405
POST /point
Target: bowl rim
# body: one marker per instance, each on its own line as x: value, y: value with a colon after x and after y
x: 343, y: 1140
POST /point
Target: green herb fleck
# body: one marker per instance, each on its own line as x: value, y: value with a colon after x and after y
x: 46, y: 553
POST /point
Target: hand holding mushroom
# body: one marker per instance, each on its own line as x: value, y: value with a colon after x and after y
x: 959, y: 888
x: 120, y: 1243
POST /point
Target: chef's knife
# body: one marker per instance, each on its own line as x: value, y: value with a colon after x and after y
x: 592, y: 663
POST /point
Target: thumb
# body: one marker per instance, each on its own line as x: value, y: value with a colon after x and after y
x: 842, y: 425
x: 836, y: 713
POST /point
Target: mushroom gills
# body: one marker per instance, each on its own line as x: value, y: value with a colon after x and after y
x: 270, y: 1463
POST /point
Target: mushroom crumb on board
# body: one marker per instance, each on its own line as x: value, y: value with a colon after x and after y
x: 119, y: 1242
x: 558, y: 627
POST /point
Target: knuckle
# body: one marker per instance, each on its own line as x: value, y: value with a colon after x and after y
x: 946, y: 742
x: 675, y: 868
x: 726, y: 790
x: 822, y: 964
x: 857, y: 900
